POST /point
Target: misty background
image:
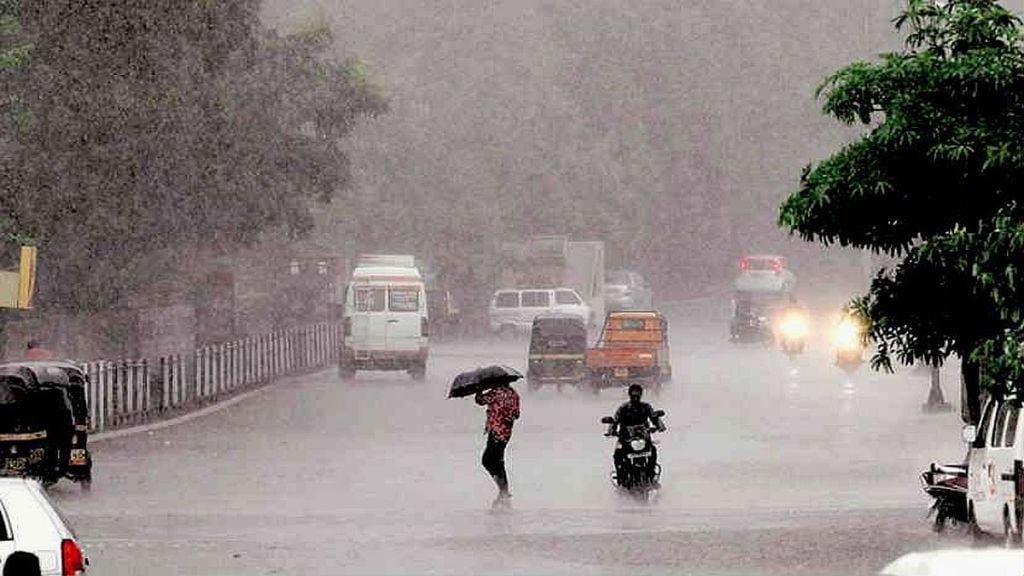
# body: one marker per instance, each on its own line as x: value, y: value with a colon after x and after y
x: 671, y: 130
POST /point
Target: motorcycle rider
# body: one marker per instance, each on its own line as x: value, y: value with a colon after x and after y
x: 635, y: 412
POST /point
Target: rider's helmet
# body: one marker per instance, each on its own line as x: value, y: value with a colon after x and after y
x: 635, y: 392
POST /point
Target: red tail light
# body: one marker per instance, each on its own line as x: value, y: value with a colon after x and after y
x: 347, y: 327
x: 777, y: 265
x: 72, y: 559
x: 743, y: 264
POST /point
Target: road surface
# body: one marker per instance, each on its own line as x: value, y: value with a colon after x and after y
x: 771, y: 467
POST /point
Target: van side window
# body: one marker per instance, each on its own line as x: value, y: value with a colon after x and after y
x: 507, y: 300
x: 999, y: 425
x: 1011, y: 425
x: 982, y: 439
x: 536, y: 299
x: 566, y: 297
x: 404, y: 300
x: 369, y: 299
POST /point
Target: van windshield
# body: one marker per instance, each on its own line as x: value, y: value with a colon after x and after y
x: 369, y: 299
x: 404, y: 300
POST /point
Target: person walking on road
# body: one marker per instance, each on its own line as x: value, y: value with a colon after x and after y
x: 502, y: 411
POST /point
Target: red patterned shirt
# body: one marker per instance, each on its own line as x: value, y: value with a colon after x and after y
x: 502, y: 410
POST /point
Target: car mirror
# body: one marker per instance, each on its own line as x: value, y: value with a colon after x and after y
x: 968, y: 433
x: 607, y: 420
x: 659, y: 413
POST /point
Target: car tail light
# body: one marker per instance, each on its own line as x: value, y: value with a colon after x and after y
x: 743, y: 264
x: 72, y: 559
x: 347, y: 327
x: 777, y: 266
x: 424, y: 329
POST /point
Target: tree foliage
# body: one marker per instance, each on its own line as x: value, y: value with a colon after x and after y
x: 138, y: 128
x: 934, y: 181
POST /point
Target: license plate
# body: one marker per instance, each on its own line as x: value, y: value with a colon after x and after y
x: 622, y: 372
x: 638, y: 455
x: 17, y: 464
x: 78, y: 457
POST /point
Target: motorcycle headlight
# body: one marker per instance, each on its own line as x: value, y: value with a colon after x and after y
x: 794, y: 326
x: 847, y: 335
x: 637, y: 444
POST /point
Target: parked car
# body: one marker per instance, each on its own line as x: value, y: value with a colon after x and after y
x: 764, y: 273
x: 30, y: 522
x: 995, y: 471
x: 627, y: 290
x: 512, y: 311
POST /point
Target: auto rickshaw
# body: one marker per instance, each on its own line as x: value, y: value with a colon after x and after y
x: 66, y: 383
x: 558, y: 349
x: 752, y: 314
x: 44, y: 413
x: 23, y: 433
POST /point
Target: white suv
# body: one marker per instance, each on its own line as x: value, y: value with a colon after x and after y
x: 513, y: 310
x: 29, y: 522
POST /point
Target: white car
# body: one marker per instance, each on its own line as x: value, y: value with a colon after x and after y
x: 958, y: 562
x: 512, y: 311
x: 995, y: 471
x: 30, y: 523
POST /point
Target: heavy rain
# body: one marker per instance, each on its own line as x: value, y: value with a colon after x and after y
x: 745, y: 276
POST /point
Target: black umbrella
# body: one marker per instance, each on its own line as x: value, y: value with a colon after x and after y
x: 469, y: 383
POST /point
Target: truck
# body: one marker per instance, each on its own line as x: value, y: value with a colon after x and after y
x: 632, y: 348
x: 558, y: 262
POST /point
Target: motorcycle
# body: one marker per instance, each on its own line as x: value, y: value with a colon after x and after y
x: 639, y: 472
x: 947, y: 485
x: 849, y: 345
x: 793, y: 329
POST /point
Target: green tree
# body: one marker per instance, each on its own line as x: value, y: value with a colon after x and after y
x: 934, y: 182
x: 142, y: 128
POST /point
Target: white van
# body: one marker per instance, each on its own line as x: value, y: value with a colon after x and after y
x: 995, y: 470
x: 385, y: 319
x: 512, y: 311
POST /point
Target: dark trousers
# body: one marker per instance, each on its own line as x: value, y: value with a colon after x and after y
x: 494, y: 461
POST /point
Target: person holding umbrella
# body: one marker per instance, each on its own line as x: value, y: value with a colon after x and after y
x: 492, y: 388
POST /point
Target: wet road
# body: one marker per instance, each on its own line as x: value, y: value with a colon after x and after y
x: 770, y: 468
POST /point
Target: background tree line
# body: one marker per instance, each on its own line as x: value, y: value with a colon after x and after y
x: 139, y: 132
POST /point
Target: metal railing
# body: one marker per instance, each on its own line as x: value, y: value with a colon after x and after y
x: 129, y: 392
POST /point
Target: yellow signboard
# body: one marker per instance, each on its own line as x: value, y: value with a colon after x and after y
x: 27, y: 277
x: 18, y: 287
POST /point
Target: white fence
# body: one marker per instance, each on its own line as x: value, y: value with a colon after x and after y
x: 127, y: 392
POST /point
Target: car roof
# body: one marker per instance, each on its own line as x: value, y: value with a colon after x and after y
x: 635, y: 314
x: 32, y: 516
x: 536, y: 289
x: 557, y: 316
x: 385, y: 273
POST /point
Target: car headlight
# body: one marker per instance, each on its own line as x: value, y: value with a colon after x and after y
x: 638, y: 444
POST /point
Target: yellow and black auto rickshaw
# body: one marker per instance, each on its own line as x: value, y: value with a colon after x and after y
x: 64, y: 411
x: 558, y: 351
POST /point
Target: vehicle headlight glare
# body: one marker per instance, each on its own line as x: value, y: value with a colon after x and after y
x: 794, y: 326
x: 637, y: 444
